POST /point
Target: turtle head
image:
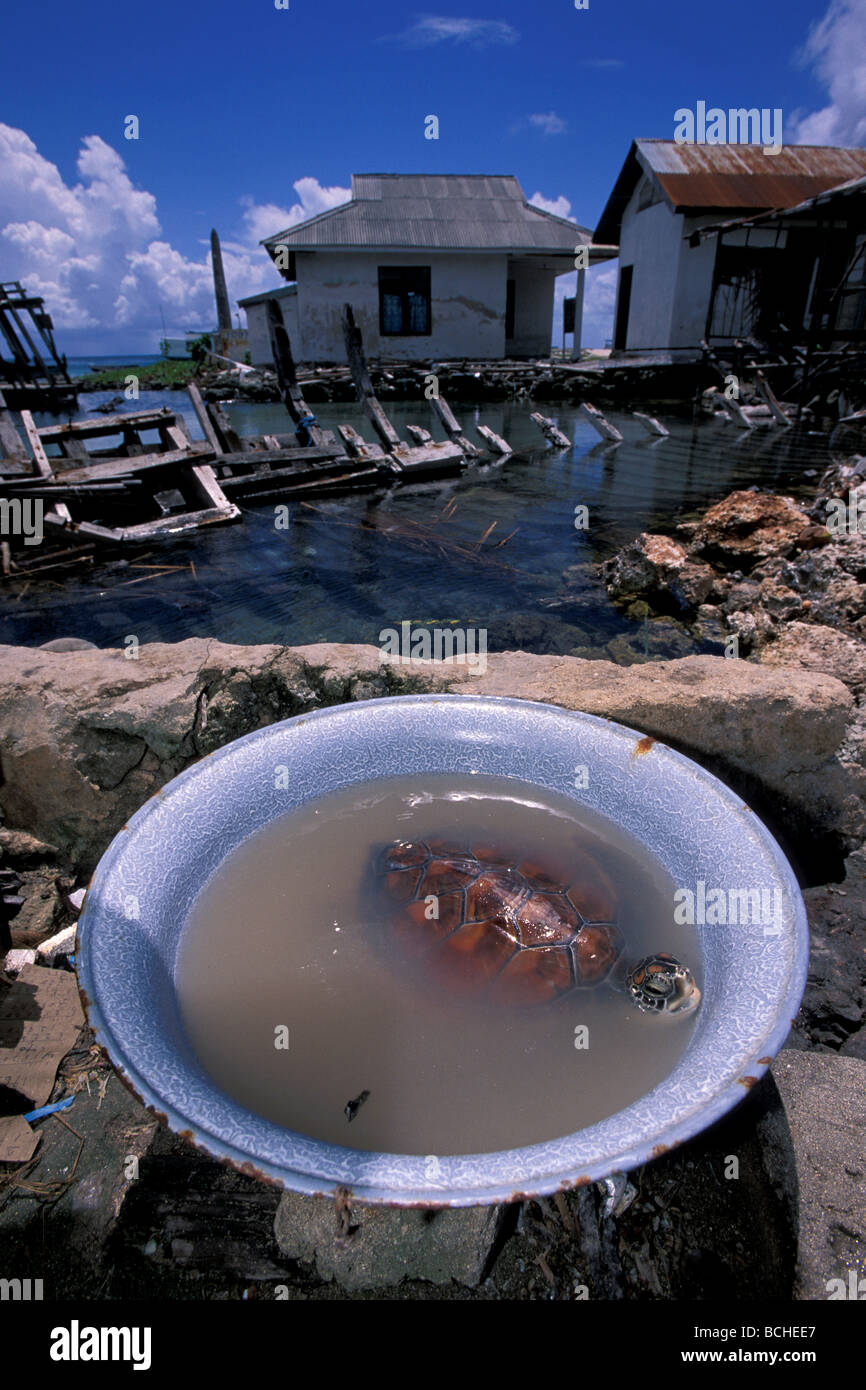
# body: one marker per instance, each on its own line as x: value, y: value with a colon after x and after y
x: 661, y: 984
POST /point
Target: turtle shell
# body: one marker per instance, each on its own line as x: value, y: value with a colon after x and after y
x: 521, y: 931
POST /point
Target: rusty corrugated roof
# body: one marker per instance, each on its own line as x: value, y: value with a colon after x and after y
x: 743, y: 176
x: 707, y: 177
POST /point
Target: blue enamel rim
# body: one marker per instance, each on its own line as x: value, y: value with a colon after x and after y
x: 128, y: 932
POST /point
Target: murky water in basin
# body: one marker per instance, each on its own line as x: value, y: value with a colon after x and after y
x: 287, y: 935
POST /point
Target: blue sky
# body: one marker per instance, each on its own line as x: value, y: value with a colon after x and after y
x: 253, y: 117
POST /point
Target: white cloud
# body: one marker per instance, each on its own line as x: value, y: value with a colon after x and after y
x: 599, y: 298
x: 560, y: 207
x: 836, y: 50
x: 479, y: 33
x: 95, y: 252
x: 603, y: 64
x: 549, y: 122
x: 266, y: 219
x: 599, y: 301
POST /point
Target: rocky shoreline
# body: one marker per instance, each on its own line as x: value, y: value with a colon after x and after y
x: 761, y: 577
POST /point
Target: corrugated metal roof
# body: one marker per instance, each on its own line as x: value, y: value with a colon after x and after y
x: 281, y: 292
x: 851, y: 188
x: 702, y: 177
x: 441, y: 212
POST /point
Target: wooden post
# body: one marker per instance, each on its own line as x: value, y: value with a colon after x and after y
x: 598, y: 422
x: 11, y: 446
x: 60, y: 515
x: 419, y: 435
x: 735, y: 410
x: 550, y: 430
x: 651, y: 424
x: 766, y: 391
x: 308, y: 430
x: 363, y: 385
x: 204, y: 419
x: 493, y: 441
x: 452, y: 428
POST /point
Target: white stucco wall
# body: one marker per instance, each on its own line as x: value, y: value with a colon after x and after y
x: 649, y: 241
x: 467, y: 298
x: 533, y: 309
x: 694, y: 285
x: 260, y: 338
x: 672, y: 280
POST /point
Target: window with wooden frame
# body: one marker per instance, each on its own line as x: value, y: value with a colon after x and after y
x: 404, y: 301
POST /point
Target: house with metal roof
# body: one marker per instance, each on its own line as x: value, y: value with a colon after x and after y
x: 677, y: 287
x: 436, y: 266
x: 812, y: 293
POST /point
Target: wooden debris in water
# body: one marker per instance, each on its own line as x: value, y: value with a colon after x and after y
x: 651, y: 424
x: 736, y: 412
x: 427, y: 457
x: 599, y: 423
x: 550, y: 430
x: 776, y: 410
x: 452, y: 428
x: 494, y: 441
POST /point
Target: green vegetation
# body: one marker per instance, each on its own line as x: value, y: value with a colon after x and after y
x: 155, y: 376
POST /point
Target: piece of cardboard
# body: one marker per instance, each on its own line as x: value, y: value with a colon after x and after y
x: 40, y: 1019
x: 17, y: 1140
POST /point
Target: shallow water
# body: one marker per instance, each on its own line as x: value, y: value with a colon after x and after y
x: 270, y: 944
x: 341, y: 572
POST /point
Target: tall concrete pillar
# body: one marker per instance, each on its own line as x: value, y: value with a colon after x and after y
x: 224, y: 316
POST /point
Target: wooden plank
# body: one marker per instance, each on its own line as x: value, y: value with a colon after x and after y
x: 40, y: 458
x: 445, y: 452
x: 182, y: 522
x: 735, y: 410
x: 651, y: 424
x: 308, y: 429
x: 225, y: 431
x: 115, y: 468
x: 776, y: 410
x: 251, y: 483
x: 494, y: 441
x: 267, y: 457
x: 362, y: 477
x: 111, y: 534
x: 110, y: 424
x: 361, y: 379
x: 73, y: 448
x: 203, y: 482
x: 599, y: 423
x: 358, y: 447
x: 452, y: 427
x: 49, y: 489
x: 203, y: 418
x: 419, y: 435
x: 550, y: 430
x: 11, y: 443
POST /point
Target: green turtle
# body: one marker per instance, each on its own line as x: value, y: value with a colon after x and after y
x: 520, y: 932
